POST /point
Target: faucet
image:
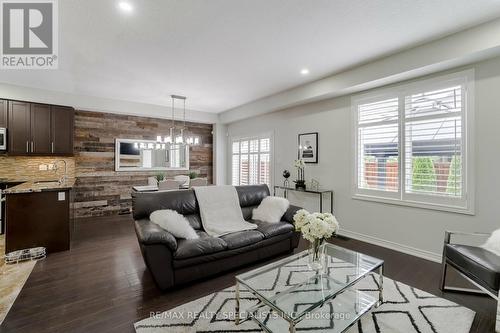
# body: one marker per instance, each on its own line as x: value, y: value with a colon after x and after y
x: 62, y: 180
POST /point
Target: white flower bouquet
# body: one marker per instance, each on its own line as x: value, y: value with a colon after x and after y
x: 316, y: 228
x: 300, y: 165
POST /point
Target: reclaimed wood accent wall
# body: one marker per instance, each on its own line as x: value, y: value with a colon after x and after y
x: 99, y: 189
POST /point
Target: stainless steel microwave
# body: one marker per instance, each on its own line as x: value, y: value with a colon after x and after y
x: 3, y: 138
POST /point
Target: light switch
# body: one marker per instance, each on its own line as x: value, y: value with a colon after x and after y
x: 42, y: 167
x: 61, y: 196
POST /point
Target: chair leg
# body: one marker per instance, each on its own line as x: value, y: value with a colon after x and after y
x: 444, y: 270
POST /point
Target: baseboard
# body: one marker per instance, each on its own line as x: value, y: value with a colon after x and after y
x: 392, y: 245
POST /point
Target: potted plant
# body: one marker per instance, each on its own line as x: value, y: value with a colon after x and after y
x: 316, y: 228
x: 159, y: 177
x: 300, y: 183
x: 193, y: 175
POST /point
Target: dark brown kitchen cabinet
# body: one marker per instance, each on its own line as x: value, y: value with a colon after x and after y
x: 62, y: 130
x: 19, y: 128
x: 39, y: 129
x: 41, y: 143
x: 3, y: 113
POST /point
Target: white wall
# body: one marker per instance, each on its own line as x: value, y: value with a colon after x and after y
x: 219, y: 153
x: 412, y: 230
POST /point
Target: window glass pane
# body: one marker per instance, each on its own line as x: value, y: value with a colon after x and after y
x: 236, y: 170
x: 236, y: 147
x: 433, y: 156
x: 244, y: 167
x: 265, y: 145
x: 248, y: 165
x: 378, y: 167
x: 264, y: 169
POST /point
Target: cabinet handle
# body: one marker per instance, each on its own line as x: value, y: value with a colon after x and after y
x: 32, y: 147
x: 27, y: 147
x: 52, y: 146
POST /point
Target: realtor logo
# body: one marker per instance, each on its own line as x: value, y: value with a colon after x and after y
x: 29, y: 34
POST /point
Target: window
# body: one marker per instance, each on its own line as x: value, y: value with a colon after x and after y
x: 251, y: 161
x: 411, y: 144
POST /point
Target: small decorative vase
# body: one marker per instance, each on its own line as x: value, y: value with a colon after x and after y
x: 317, y: 256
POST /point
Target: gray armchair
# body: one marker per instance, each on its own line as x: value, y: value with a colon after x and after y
x: 475, y: 264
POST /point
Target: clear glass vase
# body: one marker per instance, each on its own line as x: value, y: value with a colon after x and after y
x: 317, y: 258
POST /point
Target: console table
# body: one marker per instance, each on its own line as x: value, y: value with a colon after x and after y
x: 319, y: 193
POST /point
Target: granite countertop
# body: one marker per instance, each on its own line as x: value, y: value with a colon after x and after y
x: 33, y: 186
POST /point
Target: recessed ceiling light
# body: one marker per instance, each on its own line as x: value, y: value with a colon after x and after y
x: 304, y: 71
x: 125, y: 6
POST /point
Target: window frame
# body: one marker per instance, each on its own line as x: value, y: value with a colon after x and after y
x: 463, y: 205
x: 248, y: 138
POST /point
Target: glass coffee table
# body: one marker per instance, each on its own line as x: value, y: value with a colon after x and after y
x: 288, y: 291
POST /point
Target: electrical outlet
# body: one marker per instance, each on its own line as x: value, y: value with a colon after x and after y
x: 42, y: 167
x: 52, y: 166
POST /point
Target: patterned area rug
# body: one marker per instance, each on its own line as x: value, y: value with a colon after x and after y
x: 12, y: 279
x: 405, y: 310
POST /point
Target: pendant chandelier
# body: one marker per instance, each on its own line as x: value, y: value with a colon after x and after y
x: 179, y: 135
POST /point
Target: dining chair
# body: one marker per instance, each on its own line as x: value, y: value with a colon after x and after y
x: 152, y: 181
x: 168, y: 184
x: 198, y: 182
x: 183, y: 180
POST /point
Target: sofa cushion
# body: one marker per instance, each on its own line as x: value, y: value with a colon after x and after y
x: 187, y: 248
x: 273, y: 229
x: 252, y: 195
x: 236, y: 253
x: 477, y: 263
x: 182, y: 201
x: 242, y: 238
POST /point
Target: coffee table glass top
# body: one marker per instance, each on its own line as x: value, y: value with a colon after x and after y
x: 293, y: 289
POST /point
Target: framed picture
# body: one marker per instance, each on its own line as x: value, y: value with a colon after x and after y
x: 308, y: 147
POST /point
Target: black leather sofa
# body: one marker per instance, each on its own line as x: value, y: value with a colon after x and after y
x: 174, y: 261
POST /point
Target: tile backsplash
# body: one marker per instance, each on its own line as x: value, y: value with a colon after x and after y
x: 24, y: 168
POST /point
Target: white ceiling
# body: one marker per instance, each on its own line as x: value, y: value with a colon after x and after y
x: 225, y: 53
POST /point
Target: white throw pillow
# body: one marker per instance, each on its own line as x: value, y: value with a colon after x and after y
x: 271, y: 209
x: 174, y: 223
x: 493, y: 243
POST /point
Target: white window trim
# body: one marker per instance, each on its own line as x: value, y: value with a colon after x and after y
x: 269, y: 135
x: 401, y: 198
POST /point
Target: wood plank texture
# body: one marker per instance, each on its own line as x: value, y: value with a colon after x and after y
x: 102, y: 285
x: 99, y: 190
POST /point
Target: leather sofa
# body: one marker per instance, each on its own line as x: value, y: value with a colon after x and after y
x: 174, y: 261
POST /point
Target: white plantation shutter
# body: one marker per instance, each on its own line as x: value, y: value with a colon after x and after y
x: 377, y: 130
x: 251, y: 161
x: 433, y: 130
x: 411, y: 147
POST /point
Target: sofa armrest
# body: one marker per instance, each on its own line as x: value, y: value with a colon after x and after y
x: 288, y: 217
x: 149, y: 233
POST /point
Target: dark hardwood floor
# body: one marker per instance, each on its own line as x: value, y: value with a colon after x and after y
x: 102, y: 285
